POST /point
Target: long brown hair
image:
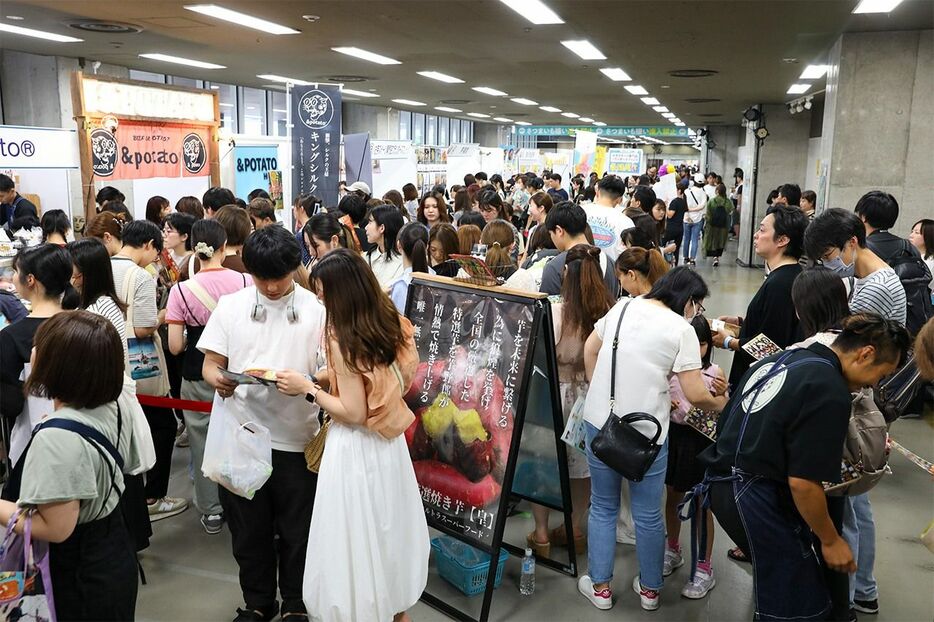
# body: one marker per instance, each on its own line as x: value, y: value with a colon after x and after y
x: 498, y: 237
x: 446, y: 235
x: 583, y: 291
x: 467, y: 236
x: 648, y: 263
x: 106, y: 222
x: 361, y: 318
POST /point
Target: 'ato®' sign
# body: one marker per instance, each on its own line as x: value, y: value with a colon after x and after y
x: 37, y: 147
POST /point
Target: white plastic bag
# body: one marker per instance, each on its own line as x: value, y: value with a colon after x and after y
x: 141, y: 437
x: 236, y: 456
x: 573, y: 433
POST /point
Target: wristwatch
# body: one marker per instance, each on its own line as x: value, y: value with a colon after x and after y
x: 310, y: 397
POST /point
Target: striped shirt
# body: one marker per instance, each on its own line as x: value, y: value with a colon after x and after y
x: 881, y: 293
x: 143, y: 292
x: 108, y: 309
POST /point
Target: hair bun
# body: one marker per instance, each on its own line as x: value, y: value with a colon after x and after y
x: 594, y: 251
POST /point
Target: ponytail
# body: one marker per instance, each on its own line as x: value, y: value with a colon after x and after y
x: 649, y: 263
x: 586, y: 298
x: 498, y: 237
x: 414, y: 242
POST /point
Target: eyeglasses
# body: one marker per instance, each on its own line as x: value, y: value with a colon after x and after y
x: 699, y: 308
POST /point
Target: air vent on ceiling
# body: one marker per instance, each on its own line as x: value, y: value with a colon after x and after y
x: 701, y: 100
x: 342, y: 78
x: 111, y: 28
x: 693, y: 73
x: 455, y: 102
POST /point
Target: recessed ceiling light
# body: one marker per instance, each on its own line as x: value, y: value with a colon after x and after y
x: 359, y: 93
x: 448, y: 109
x: 676, y: 120
x: 478, y: 115
x: 584, y: 48
x: 549, y: 109
x: 649, y: 101
x: 524, y: 101
x: 38, y: 34
x: 523, y: 123
x: 876, y: 6
x: 182, y: 61
x: 365, y: 55
x: 586, y: 119
x: 280, y: 110
x: 635, y: 89
x: 241, y: 19
x: 15, y: 18
x: 274, y: 78
x: 669, y: 115
x: 408, y: 102
x: 440, y: 77
x: 489, y: 91
x: 215, y: 87
x: 813, y: 72
x: 535, y: 11
x: 502, y: 119
x: 679, y: 124
x: 599, y: 123
x: 615, y: 74
x: 570, y: 115
x: 798, y: 89
x: 660, y: 109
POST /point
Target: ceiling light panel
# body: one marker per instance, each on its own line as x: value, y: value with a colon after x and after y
x: 182, y: 61
x: 408, y: 102
x: 489, y: 91
x: 440, y: 77
x: 37, y: 34
x: 584, y: 48
x: 649, y: 101
x: 570, y: 115
x: 524, y: 101
x: 813, y: 72
x: 549, y: 109
x: 241, y: 19
x: 373, y: 57
x: 876, y: 6
x: 798, y: 89
x: 502, y: 119
x: 535, y: 11
x: 599, y: 123
x: 523, y: 123
x: 660, y: 109
x: 668, y: 115
x: 615, y: 74
x: 285, y: 80
x: 448, y: 109
x: 586, y: 120
x: 635, y: 89
x: 359, y: 93
x: 478, y: 115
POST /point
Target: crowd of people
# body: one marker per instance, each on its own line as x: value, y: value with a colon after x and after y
x: 166, y: 304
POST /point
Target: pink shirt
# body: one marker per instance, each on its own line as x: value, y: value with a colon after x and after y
x: 185, y: 308
x: 677, y: 395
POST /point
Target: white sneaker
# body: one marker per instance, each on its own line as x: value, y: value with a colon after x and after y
x: 673, y: 561
x: 699, y: 587
x: 625, y: 537
x: 166, y: 507
x: 601, y: 600
x: 648, y: 598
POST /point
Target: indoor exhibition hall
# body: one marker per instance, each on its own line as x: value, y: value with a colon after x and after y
x: 488, y: 311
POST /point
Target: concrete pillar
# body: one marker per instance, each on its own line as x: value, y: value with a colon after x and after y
x: 879, y: 121
x: 724, y: 156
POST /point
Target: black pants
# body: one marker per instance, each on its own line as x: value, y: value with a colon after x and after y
x: 162, y: 424
x: 282, y: 507
x: 724, y: 509
x: 174, y: 367
x: 838, y: 583
x: 94, y: 572
x: 677, y: 237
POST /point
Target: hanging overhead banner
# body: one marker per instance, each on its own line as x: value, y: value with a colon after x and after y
x: 624, y: 161
x: 316, y: 141
x: 146, y: 150
x: 614, y: 131
x: 37, y: 147
x: 585, y: 153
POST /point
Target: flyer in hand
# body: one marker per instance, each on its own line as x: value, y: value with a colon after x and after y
x: 848, y: 475
x: 265, y: 377
x: 760, y: 347
x: 704, y: 421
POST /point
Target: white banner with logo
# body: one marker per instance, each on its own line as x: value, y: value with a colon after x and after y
x: 38, y: 147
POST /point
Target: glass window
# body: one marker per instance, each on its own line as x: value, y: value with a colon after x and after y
x: 431, y: 130
x: 443, y: 126
x: 405, y: 125
x: 227, y: 100
x: 190, y: 82
x: 418, y: 128
x: 253, y: 110
x: 467, y: 131
x: 147, y: 76
x: 278, y: 114
x: 455, y: 131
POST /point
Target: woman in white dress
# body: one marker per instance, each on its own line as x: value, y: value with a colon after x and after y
x: 368, y: 544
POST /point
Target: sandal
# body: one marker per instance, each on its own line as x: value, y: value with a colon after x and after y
x: 541, y: 549
x: 737, y: 555
x: 559, y: 538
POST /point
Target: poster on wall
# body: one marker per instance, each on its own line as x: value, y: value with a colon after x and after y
x: 148, y: 150
x: 253, y: 165
x: 394, y: 165
x: 585, y: 153
x: 316, y: 141
x: 529, y: 161
x: 492, y: 161
x: 462, y: 159
x: 623, y: 162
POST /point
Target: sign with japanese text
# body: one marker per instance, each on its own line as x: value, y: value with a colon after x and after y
x: 316, y: 141
x: 621, y: 131
x: 146, y: 150
x: 625, y: 161
x: 474, y: 352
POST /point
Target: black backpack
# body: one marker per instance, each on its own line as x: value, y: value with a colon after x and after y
x: 916, y: 278
x: 719, y: 217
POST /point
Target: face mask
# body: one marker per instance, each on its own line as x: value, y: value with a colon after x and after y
x: 841, y: 268
x: 694, y: 314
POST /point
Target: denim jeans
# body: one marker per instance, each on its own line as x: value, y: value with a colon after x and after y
x: 692, y: 231
x: 646, y: 497
x: 859, y: 531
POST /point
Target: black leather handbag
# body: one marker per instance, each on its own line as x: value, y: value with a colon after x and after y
x: 618, y: 444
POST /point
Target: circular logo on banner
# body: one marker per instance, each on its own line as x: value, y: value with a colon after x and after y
x: 103, y: 152
x: 196, y: 155
x: 768, y: 391
x: 315, y: 109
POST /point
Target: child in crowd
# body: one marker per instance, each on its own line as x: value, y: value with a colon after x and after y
x: 274, y: 325
x: 684, y: 470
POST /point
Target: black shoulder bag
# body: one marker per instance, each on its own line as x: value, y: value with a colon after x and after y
x: 618, y: 444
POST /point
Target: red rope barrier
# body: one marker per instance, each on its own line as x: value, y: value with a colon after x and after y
x: 168, y: 402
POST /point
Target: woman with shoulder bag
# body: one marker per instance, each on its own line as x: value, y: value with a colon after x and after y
x: 628, y: 359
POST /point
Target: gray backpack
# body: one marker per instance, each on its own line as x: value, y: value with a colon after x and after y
x: 865, y: 452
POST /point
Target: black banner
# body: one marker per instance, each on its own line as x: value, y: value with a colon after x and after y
x: 316, y: 141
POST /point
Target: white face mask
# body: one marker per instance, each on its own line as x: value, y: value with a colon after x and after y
x: 693, y: 315
x: 70, y: 236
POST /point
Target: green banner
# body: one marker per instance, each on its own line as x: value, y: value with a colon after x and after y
x: 662, y: 131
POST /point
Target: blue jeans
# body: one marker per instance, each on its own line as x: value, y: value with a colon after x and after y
x: 646, y: 497
x: 692, y: 231
x: 859, y: 531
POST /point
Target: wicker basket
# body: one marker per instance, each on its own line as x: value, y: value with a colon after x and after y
x: 314, y: 449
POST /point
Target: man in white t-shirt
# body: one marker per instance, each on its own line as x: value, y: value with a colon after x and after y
x: 607, y: 221
x: 275, y: 326
x: 696, y: 198
x: 711, y: 186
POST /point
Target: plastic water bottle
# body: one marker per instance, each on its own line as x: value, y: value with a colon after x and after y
x: 527, y: 580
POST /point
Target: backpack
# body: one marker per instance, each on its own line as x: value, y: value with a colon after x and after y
x: 864, y: 451
x: 896, y: 392
x: 916, y: 278
x: 719, y: 218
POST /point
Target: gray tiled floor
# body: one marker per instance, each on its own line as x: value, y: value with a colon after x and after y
x: 192, y: 576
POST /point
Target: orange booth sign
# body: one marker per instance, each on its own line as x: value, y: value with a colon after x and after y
x: 141, y: 150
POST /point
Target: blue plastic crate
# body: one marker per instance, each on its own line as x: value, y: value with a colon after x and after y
x: 467, y: 575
